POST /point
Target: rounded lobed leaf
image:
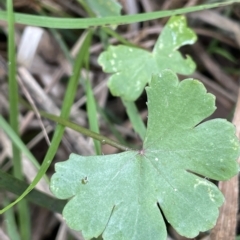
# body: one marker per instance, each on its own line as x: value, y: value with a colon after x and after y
x: 121, y: 196
x: 132, y: 68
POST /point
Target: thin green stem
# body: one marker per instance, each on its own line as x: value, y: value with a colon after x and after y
x: 91, y: 107
x: 13, y: 90
x: 24, y: 218
x: 78, y: 128
x: 10, y: 222
x: 85, y: 131
x: 135, y: 118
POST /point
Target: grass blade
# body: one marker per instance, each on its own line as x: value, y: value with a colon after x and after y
x: 16, y: 186
x: 92, y: 115
x: 24, y: 217
x: 19, y: 143
x: 11, y: 225
x: 92, y: 109
x: 67, y: 103
x: 70, y: 23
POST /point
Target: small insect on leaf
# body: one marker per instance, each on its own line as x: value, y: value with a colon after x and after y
x: 84, y: 180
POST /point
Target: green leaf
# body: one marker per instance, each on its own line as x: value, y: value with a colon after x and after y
x: 119, y: 195
x: 132, y: 68
x: 104, y: 8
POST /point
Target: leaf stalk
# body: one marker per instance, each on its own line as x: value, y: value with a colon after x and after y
x: 85, y: 131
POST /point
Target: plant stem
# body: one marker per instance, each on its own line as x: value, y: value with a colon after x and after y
x: 135, y: 118
x: 85, y: 131
x: 22, y: 207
